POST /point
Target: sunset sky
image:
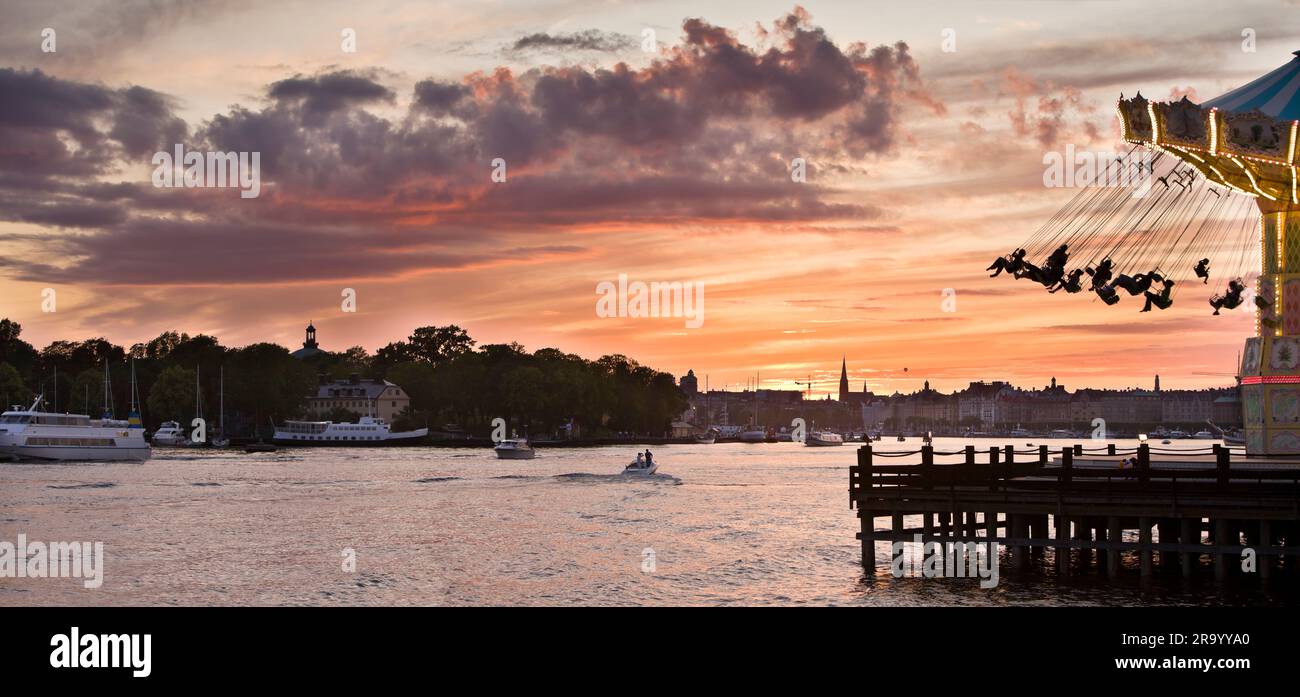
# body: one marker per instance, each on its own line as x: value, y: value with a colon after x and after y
x: 666, y: 166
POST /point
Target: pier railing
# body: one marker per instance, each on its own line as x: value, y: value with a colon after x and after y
x: 1000, y: 468
x: 1089, y: 505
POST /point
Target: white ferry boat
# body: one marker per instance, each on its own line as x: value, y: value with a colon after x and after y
x: 39, y: 435
x: 369, y: 431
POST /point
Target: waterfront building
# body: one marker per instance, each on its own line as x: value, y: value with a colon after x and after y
x: 364, y: 396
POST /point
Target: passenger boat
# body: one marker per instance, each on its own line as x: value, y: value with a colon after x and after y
x: 515, y: 449
x: 39, y: 435
x: 367, y: 432
x: 823, y: 438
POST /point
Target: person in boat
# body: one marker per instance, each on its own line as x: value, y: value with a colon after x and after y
x: 649, y: 457
x: 1070, y: 283
x: 1162, y: 299
x: 1230, y: 299
x: 639, y: 461
x: 1102, y: 274
x: 1203, y: 270
x: 1011, y: 263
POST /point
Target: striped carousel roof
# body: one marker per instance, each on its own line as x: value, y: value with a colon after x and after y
x: 1276, y: 94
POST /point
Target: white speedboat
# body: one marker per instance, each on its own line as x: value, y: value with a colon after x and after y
x: 515, y: 449
x: 32, y: 434
x: 1204, y: 435
x: 823, y: 438
x: 641, y: 468
x: 368, y: 432
x: 170, y: 435
x: 706, y: 438
x: 1177, y: 433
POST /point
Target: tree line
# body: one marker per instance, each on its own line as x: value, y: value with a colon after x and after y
x: 450, y: 379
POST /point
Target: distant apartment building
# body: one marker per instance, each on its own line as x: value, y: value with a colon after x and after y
x: 364, y: 396
x: 983, y: 403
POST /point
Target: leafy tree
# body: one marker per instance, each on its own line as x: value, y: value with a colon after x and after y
x: 172, y: 396
x: 12, y: 389
x: 437, y: 344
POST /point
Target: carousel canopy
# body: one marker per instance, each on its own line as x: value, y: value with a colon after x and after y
x: 1276, y: 94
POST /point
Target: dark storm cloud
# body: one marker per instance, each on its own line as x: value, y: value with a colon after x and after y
x: 322, y: 95
x: 40, y: 114
x: 588, y: 40
x: 703, y: 133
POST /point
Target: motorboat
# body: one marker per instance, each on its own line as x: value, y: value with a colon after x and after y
x: 639, y: 467
x: 170, y: 435
x: 823, y: 438
x: 1176, y: 434
x: 367, y: 432
x: 515, y: 449
x: 40, y: 435
x: 1204, y: 435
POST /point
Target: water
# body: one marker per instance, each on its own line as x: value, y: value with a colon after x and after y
x: 745, y: 524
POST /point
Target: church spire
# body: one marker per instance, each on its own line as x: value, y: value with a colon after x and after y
x: 844, y: 379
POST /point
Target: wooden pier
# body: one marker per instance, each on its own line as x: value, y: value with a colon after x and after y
x: 1086, y: 508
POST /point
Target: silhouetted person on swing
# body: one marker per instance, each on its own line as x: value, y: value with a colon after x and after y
x: 1011, y: 263
x: 1055, y: 266
x: 1028, y: 270
x: 1069, y: 284
x: 1107, y: 295
x: 1230, y: 299
x: 1203, y: 270
x: 1101, y: 275
x: 1136, y: 284
x: 1162, y: 299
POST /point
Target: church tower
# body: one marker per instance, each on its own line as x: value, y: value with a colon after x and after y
x: 844, y: 380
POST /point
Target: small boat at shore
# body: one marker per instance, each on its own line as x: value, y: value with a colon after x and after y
x: 515, y: 449
x: 170, y: 435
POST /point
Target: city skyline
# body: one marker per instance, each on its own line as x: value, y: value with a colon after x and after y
x: 945, y: 174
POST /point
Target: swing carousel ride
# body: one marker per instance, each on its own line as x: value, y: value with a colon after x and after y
x: 1200, y: 166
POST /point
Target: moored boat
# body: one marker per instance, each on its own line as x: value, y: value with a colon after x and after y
x: 515, y: 449
x: 170, y: 435
x: 39, y: 435
x: 367, y: 432
x: 823, y: 438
